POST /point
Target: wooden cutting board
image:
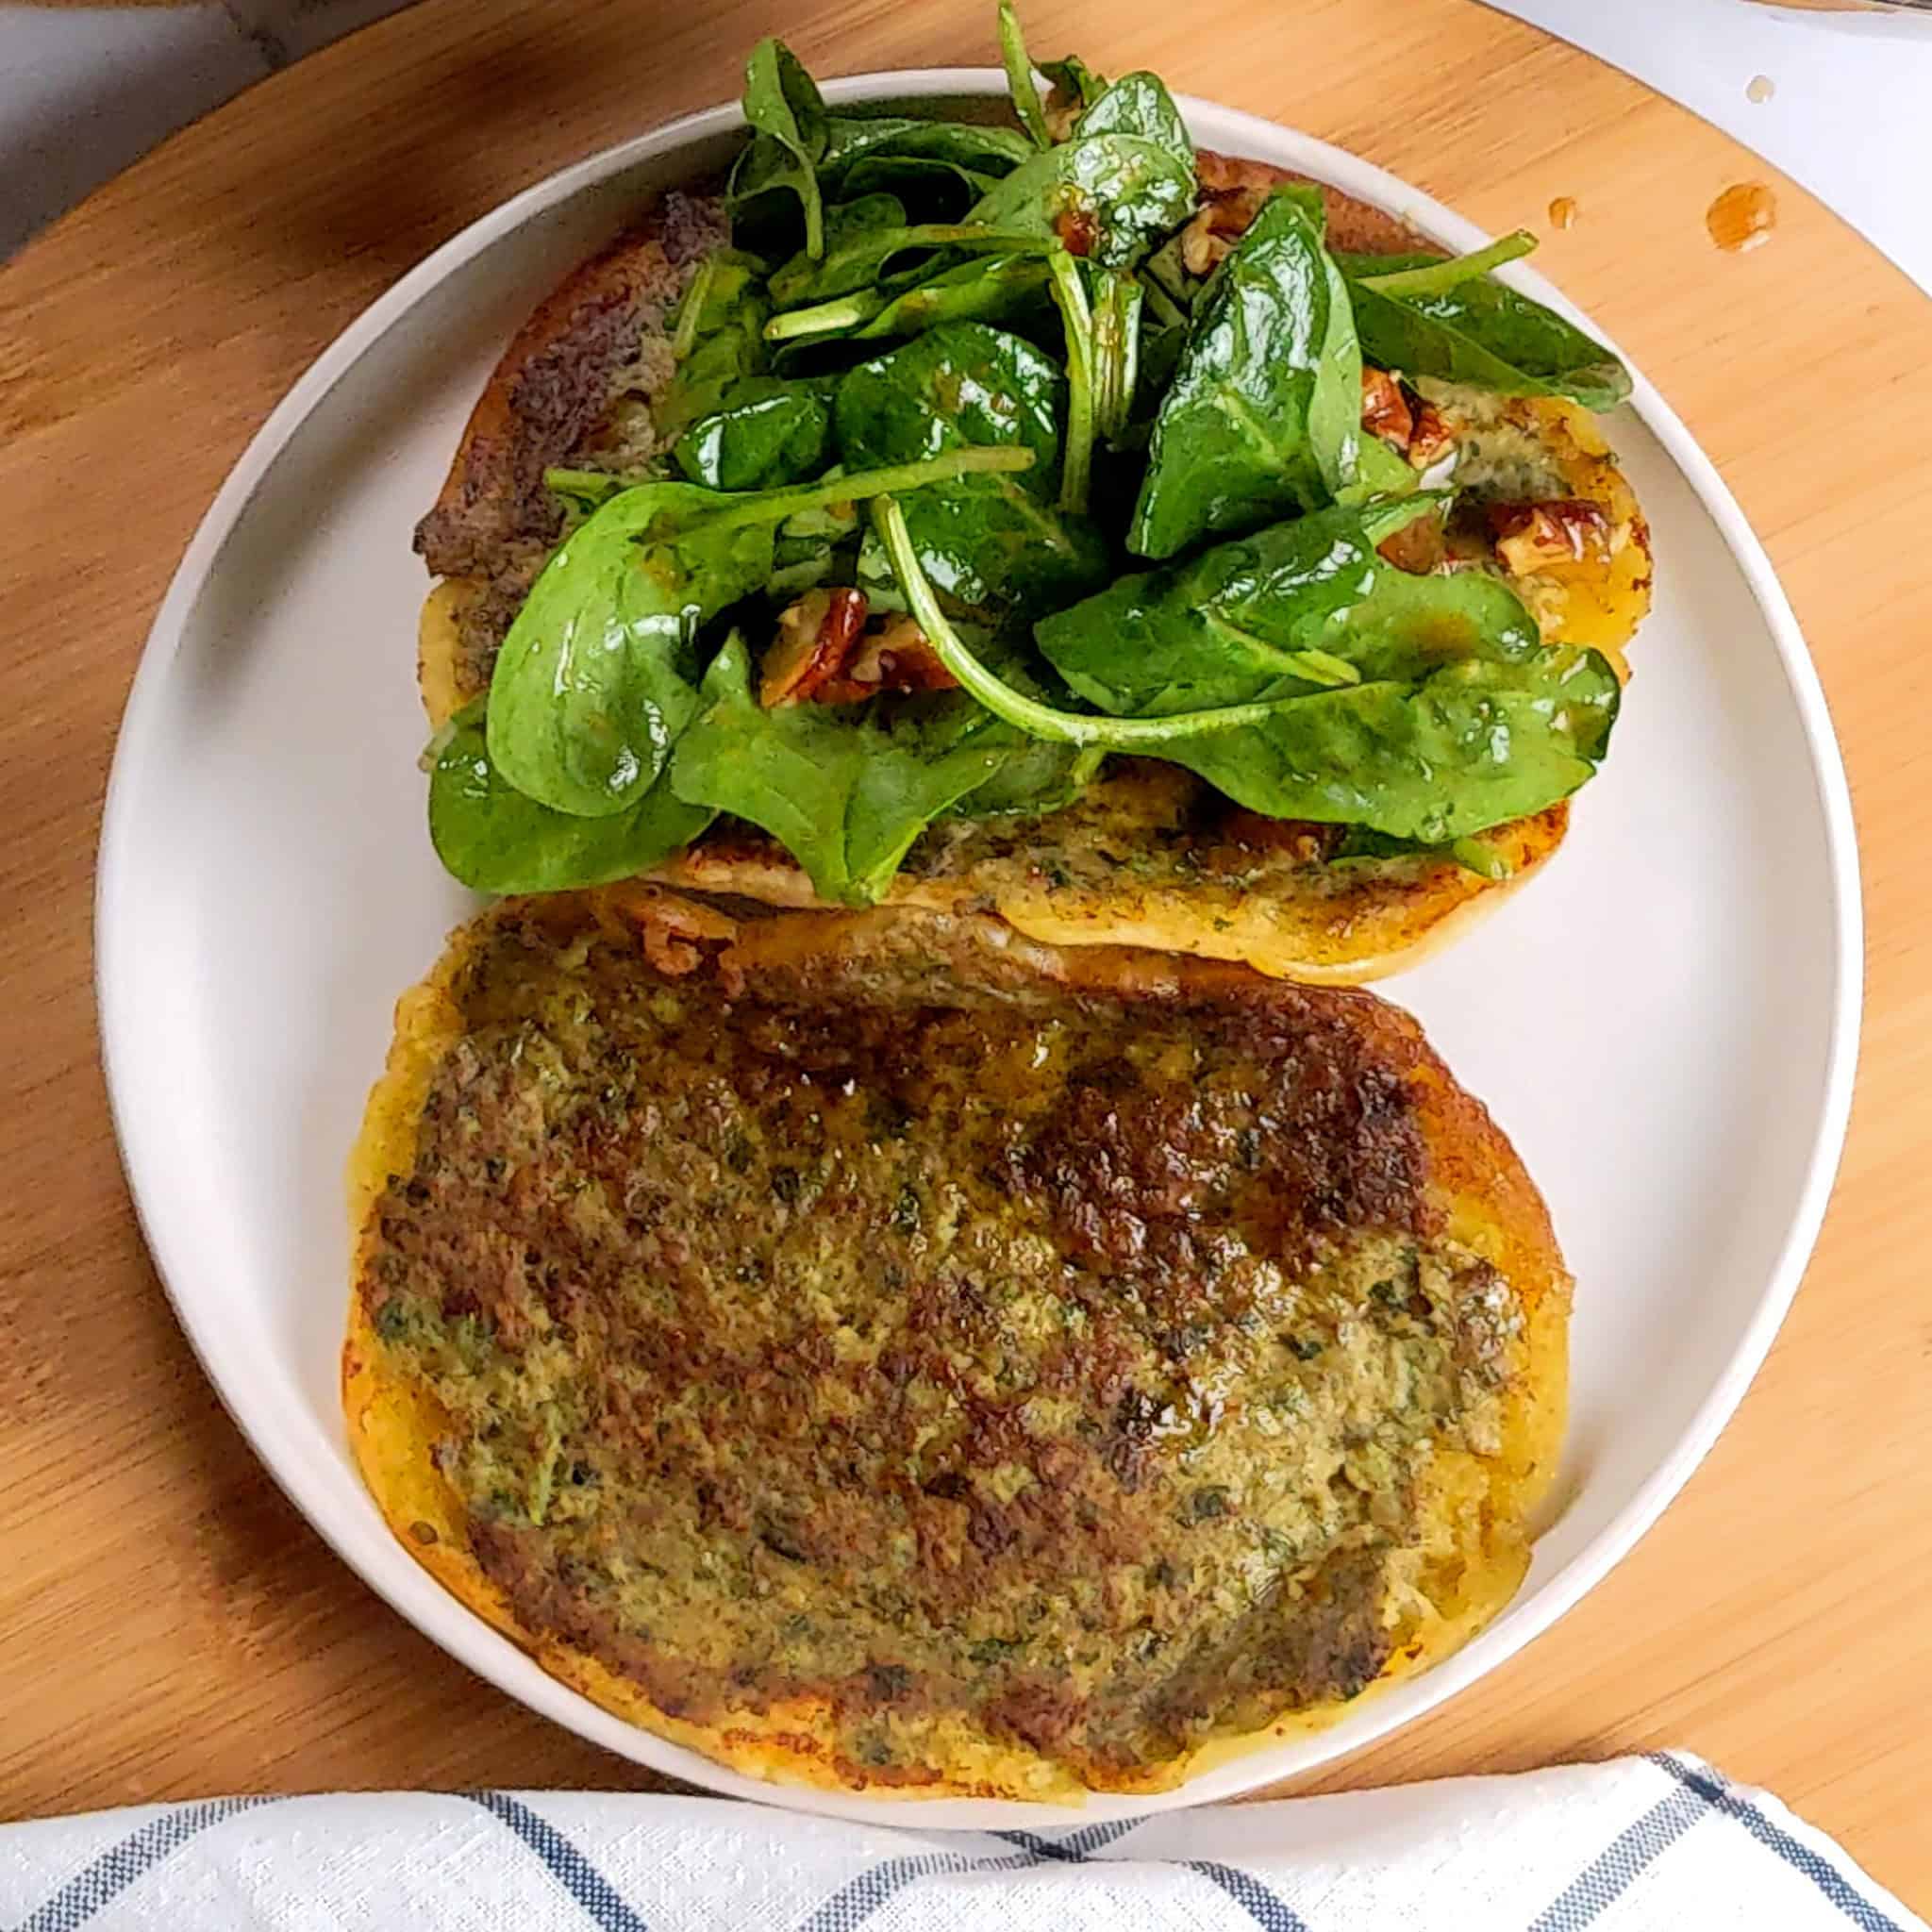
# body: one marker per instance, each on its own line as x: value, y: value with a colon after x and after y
x: 171, y: 1627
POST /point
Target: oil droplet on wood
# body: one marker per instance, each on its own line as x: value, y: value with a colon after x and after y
x: 1741, y: 218
x: 1563, y: 211
x: 1762, y: 88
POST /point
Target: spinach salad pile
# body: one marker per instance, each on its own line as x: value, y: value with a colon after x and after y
x: 952, y: 393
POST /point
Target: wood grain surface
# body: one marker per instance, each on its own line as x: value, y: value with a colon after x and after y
x: 170, y: 1626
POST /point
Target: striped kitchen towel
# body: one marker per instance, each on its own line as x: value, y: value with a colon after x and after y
x: 1663, y: 1842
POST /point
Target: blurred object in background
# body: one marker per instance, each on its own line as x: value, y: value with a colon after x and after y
x: 84, y: 91
x: 1835, y: 99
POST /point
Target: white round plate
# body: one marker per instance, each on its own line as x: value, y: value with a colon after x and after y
x: 1665, y: 1022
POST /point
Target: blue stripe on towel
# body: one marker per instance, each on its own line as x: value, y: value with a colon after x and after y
x: 1078, y: 1846
x: 858, y: 1898
x: 565, y: 1862
x: 1268, y: 1910
x: 1799, y: 1856
x: 1630, y: 1852
x: 118, y: 1867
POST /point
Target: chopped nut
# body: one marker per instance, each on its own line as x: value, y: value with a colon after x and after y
x: 1418, y: 548
x: 1300, y: 839
x: 1232, y: 192
x: 895, y: 656
x: 1385, y: 409
x: 814, y: 638
x: 1532, y: 536
x: 673, y: 931
x: 1063, y: 107
x: 1432, y: 439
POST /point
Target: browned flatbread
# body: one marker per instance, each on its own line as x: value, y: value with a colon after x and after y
x: 888, y: 1354
x: 1151, y: 856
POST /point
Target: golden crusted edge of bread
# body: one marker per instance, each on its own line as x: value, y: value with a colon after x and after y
x: 1490, y: 1203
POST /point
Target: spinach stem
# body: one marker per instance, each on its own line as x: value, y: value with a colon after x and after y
x: 1116, y: 354
x: 1438, y: 277
x: 844, y: 311
x: 1026, y: 89
x: 1070, y: 292
x: 1028, y: 715
x: 1167, y: 312
x: 696, y: 291
x: 775, y: 506
x: 594, y: 490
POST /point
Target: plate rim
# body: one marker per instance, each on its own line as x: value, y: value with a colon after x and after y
x: 467, y: 1637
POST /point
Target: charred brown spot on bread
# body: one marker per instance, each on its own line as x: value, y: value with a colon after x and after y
x: 594, y: 349
x: 896, y: 1320
x: 1238, y: 187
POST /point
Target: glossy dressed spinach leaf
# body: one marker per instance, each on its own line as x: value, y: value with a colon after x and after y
x: 1474, y: 744
x: 1262, y: 417
x: 790, y: 134
x: 764, y: 432
x: 599, y: 672
x: 1136, y: 103
x: 1109, y: 196
x: 1480, y: 332
x: 852, y: 138
x: 1482, y: 735
x: 494, y: 839
x: 1309, y: 602
x: 847, y: 788
x: 1265, y: 616
x: 719, y: 340
x: 989, y: 542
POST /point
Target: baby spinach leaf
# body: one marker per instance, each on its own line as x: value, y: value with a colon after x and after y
x: 851, y: 140
x: 1480, y: 332
x: 1239, y: 622
x: 1111, y: 197
x: 1020, y: 82
x: 788, y: 117
x: 1262, y: 416
x: 599, y: 672
x: 1472, y: 743
x: 494, y: 839
x: 719, y: 340
x: 764, y: 432
x: 1138, y: 104
x: 845, y: 789
x: 988, y: 540
x: 1039, y: 718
